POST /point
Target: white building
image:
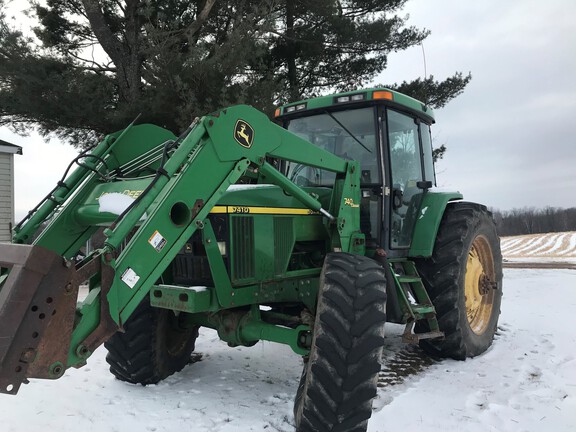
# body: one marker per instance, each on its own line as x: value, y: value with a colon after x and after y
x: 7, y: 152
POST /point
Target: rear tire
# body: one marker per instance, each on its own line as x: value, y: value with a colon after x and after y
x: 464, y: 281
x: 339, y: 379
x: 153, y: 347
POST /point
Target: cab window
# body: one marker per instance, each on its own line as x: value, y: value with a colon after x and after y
x: 349, y: 134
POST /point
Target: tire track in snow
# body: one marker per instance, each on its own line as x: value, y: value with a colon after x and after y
x: 409, y: 361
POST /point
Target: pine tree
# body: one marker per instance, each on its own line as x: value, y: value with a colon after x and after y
x: 92, y: 66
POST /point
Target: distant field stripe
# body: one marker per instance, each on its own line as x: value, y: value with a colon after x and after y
x: 549, y: 245
x: 571, y: 248
x: 510, y: 242
x: 527, y: 245
x: 553, y: 241
x: 558, y: 244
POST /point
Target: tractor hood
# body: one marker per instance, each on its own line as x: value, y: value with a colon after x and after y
x: 108, y: 200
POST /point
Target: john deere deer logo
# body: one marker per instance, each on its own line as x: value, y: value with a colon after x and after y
x: 243, y: 134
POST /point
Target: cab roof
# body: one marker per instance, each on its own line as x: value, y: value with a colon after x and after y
x: 357, y: 98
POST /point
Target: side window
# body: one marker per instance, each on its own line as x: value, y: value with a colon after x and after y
x: 405, y: 155
x: 406, y: 169
x: 427, y: 151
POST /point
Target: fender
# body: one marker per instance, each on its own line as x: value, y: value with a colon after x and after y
x: 431, y: 213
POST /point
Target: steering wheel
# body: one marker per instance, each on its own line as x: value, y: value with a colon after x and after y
x: 302, y: 180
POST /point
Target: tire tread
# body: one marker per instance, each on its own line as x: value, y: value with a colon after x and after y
x: 339, y: 382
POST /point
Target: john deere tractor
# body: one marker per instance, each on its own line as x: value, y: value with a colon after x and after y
x: 311, y: 230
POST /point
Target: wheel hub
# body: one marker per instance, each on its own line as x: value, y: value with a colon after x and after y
x: 479, y: 288
x: 485, y: 285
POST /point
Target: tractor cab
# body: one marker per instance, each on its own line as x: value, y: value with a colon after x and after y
x: 389, y: 135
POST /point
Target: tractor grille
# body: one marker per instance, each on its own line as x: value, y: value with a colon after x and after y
x: 283, y: 243
x: 191, y: 270
x: 191, y: 267
x: 243, y: 247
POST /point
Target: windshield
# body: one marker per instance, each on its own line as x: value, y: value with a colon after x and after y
x: 348, y: 134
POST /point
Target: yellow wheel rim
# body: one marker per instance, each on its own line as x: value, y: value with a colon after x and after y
x: 479, y: 285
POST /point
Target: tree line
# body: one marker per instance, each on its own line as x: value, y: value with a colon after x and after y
x: 534, y: 221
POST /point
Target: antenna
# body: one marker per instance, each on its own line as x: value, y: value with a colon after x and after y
x: 425, y: 74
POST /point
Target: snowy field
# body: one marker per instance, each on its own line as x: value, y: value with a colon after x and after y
x: 537, y: 248
x: 525, y: 382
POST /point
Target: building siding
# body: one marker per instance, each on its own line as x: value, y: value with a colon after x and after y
x: 6, y: 196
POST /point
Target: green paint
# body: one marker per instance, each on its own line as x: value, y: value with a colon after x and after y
x: 184, y: 299
x: 276, y: 232
x: 247, y: 328
x: 428, y: 222
x: 330, y: 102
x: 88, y: 318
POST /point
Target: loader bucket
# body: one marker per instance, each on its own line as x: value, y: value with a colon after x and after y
x: 38, y: 293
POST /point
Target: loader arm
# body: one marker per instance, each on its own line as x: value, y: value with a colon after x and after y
x: 176, y: 182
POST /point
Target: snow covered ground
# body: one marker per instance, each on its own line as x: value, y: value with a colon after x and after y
x: 525, y: 382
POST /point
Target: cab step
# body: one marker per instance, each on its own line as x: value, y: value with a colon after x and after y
x: 414, y: 300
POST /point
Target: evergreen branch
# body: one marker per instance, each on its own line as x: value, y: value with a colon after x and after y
x: 95, y: 65
x: 195, y: 27
x: 107, y: 40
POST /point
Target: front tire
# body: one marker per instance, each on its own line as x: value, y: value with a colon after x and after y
x: 155, y: 345
x: 464, y: 281
x: 339, y: 379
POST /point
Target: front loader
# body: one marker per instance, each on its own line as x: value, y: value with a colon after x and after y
x: 311, y: 230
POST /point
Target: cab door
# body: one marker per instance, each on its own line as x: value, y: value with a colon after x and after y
x: 408, y: 179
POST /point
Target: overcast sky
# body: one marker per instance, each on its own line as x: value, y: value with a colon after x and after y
x: 508, y: 135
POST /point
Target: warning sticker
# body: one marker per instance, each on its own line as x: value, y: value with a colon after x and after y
x: 157, y: 241
x: 129, y: 277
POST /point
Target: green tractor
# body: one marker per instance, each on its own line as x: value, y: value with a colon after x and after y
x: 311, y: 230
